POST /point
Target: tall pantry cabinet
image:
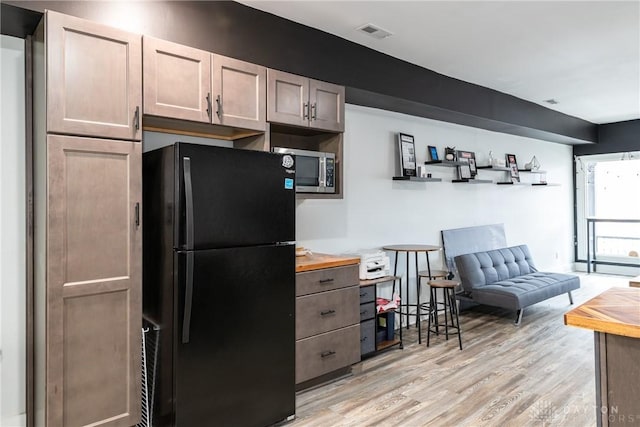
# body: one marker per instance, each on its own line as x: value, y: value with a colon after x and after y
x: 88, y: 236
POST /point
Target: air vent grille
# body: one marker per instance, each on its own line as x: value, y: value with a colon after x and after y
x: 374, y: 31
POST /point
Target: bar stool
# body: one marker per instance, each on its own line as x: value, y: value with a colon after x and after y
x: 449, y: 306
x: 428, y: 274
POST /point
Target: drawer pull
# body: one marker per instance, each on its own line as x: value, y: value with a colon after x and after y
x: 327, y: 354
x: 363, y: 312
x: 327, y: 312
x: 363, y: 339
x: 326, y: 280
x: 363, y: 294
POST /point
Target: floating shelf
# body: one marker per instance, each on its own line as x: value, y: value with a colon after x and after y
x: 446, y: 163
x: 531, y: 171
x: 416, y: 179
x: 473, y: 181
x: 494, y: 168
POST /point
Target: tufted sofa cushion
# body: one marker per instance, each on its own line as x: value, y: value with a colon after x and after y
x: 508, y: 278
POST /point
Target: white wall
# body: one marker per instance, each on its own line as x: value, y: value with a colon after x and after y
x: 377, y: 211
x: 12, y: 233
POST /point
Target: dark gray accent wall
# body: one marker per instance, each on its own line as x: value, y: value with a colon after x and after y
x: 372, y: 78
x: 619, y: 137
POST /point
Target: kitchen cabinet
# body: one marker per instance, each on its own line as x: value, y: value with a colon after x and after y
x: 177, y: 80
x: 300, y: 101
x: 327, y: 322
x: 87, y: 232
x: 94, y: 79
x: 184, y: 83
x: 239, y: 93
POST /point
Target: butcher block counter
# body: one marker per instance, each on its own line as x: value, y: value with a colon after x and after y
x: 614, y: 316
x: 318, y: 261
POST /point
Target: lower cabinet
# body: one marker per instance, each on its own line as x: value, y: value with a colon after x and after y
x: 327, y: 322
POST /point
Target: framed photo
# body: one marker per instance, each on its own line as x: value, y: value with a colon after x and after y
x: 468, y: 157
x: 464, y: 172
x: 512, y: 164
x: 433, y: 153
x: 406, y: 154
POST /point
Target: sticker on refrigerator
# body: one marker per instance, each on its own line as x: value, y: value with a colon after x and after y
x: 288, y: 183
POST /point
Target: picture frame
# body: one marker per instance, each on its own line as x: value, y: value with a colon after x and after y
x: 433, y: 153
x: 406, y: 155
x: 512, y: 164
x: 468, y: 157
x: 464, y: 172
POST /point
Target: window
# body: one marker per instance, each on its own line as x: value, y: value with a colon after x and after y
x: 607, y: 188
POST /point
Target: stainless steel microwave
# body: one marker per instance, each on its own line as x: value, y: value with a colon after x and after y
x: 315, y: 170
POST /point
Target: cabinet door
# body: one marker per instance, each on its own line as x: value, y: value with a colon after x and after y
x: 326, y: 106
x: 239, y: 93
x: 93, y: 290
x: 287, y: 98
x: 94, y: 79
x: 177, y: 80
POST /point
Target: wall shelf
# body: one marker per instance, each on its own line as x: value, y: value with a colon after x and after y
x: 445, y: 163
x: 494, y: 168
x: 416, y: 179
x: 472, y: 181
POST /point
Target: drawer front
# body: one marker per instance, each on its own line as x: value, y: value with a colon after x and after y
x: 326, y: 279
x: 326, y: 311
x: 367, y: 294
x: 368, y: 336
x: 367, y: 311
x: 325, y: 353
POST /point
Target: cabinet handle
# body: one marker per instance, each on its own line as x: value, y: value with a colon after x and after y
x: 136, y: 118
x: 314, y: 109
x: 219, y: 107
x: 363, y: 312
x: 327, y: 353
x: 326, y: 280
x: 327, y: 312
x: 137, y: 214
x: 363, y: 294
x: 209, y: 105
x: 305, y: 111
x: 363, y: 339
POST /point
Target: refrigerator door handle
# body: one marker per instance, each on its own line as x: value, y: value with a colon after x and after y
x: 188, y: 300
x: 188, y: 195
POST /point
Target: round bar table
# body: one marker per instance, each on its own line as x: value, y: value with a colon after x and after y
x: 407, y: 249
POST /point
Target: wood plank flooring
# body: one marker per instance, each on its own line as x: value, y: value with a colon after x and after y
x: 540, y: 373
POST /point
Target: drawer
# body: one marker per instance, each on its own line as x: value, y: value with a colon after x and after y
x: 326, y: 279
x: 326, y: 311
x: 367, y: 311
x: 368, y: 336
x: 327, y: 352
x: 367, y: 294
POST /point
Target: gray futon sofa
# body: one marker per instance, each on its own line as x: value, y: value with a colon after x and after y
x: 508, y: 278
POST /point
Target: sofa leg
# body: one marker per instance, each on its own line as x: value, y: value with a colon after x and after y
x: 570, y: 297
x: 519, y: 316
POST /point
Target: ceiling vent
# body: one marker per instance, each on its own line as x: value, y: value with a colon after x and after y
x: 374, y: 31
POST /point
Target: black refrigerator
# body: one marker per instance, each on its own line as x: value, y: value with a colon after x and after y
x: 219, y: 284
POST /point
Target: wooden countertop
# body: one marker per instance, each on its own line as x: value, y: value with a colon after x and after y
x: 317, y: 261
x: 615, y: 311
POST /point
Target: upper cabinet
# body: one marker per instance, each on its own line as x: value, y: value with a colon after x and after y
x: 184, y: 83
x: 94, y: 79
x: 177, y: 80
x: 239, y: 93
x: 300, y: 101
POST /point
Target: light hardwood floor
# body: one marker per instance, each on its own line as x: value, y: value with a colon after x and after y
x: 540, y: 373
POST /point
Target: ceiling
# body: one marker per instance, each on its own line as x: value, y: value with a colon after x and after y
x: 583, y: 54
